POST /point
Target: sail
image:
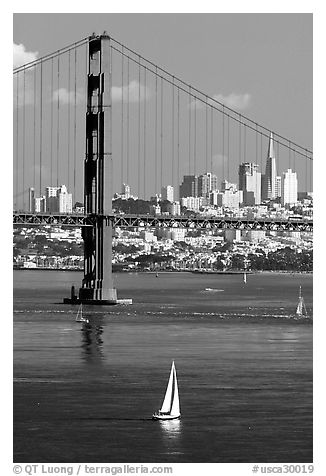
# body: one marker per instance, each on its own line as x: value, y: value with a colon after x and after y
x: 175, y: 405
x: 79, y: 313
x: 299, y: 307
x: 245, y: 277
x: 166, y: 405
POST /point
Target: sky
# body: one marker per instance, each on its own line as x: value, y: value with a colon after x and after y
x: 264, y: 60
x: 258, y: 64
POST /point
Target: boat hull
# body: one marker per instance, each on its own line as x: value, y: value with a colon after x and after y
x: 165, y: 417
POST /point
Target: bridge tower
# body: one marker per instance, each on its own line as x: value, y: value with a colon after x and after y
x: 97, y: 285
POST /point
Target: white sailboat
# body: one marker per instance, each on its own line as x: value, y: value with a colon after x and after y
x: 170, y: 408
x: 79, y: 317
x: 301, y: 307
x: 245, y: 277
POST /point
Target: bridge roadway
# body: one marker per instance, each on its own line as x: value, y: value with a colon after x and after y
x: 189, y: 222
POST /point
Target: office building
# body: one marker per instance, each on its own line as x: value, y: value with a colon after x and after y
x: 189, y: 186
x: 250, y: 183
x: 289, y: 188
x: 269, y: 184
x: 206, y: 184
x: 167, y: 193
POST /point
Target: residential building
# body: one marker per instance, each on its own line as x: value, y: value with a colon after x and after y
x: 174, y: 209
x: 167, y: 193
x: 192, y: 203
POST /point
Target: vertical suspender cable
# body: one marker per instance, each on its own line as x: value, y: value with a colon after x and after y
x: 128, y: 181
x: 261, y: 149
x: 195, y: 137
x: 68, y: 132
x: 41, y: 125
x: 122, y: 104
x: 306, y: 176
x: 51, y: 126
x: 58, y: 119
x: 223, y: 134
x: 34, y: 130
x: 256, y: 140
x: 155, y: 138
x: 228, y: 148
x: 289, y: 154
x: 206, y: 135
x: 244, y: 142
x: 145, y: 87
x: 189, y: 141
x: 75, y: 119
x: 17, y: 140
x: 212, y: 137
x: 178, y: 140
x: 138, y: 127
x: 162, y: 116
x: 172, y: 156
x: 240, y: 140
x: 24, y: 136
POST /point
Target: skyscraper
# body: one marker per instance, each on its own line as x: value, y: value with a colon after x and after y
x: 206, y: 184
x: 269, y: 179
x: 189, y: 186
x: 58, y: 200
x: 250, y: 183
x: 289, y: 188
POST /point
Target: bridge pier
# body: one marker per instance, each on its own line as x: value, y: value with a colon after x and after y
x: 97, y: 285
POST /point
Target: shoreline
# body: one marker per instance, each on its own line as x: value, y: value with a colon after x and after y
x: 230, y: 272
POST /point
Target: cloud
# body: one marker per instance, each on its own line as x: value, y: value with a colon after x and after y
x: 67, y: 97
x: 234, y: 101
x: 21, y: 56
x: 196, y: 104
x: 219, y: 159
x: 137, y: 92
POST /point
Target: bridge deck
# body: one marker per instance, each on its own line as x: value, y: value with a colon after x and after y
x: 192, y: 222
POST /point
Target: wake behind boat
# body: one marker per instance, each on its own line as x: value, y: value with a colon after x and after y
x: 170, y: 409
x: 79, y: 317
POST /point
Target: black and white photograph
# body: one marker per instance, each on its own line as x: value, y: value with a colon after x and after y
x: 162, y: 181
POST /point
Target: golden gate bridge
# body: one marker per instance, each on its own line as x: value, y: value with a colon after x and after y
x: 95, y: 115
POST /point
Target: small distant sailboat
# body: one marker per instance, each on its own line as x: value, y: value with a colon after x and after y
x: 301, y: 307
x: 245, y: 277
x: 170, y: 409
x: 79, y: 317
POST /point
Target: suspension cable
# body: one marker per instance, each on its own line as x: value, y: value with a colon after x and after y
x: 240, y: 118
